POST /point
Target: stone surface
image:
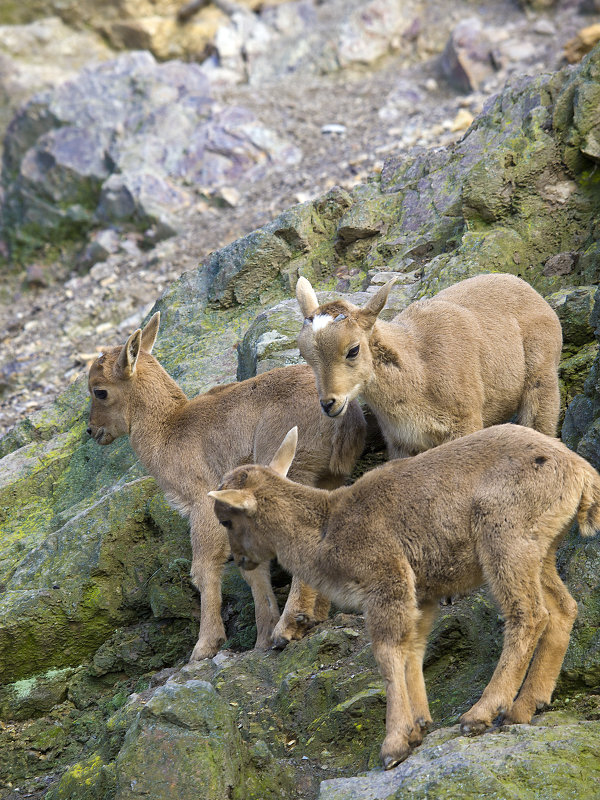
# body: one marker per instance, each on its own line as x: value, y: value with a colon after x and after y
x: 467, y: 58
x: 513, y: 764
x: 113, y: 147
x: 40, y: 55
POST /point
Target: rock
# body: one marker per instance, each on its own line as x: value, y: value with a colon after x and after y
x: 538, y: 5
x: 164, y: 37
x: 574, y: 308
x: 184, y: 741
x: 229, y: 195
x: 143, y: 198
x: 467, y: 58
x: 34, y: 696
x: 102, y: 244
x: 94, y: 151
x: 39, y: 55
x: 561, y: 264
x: 334, y: 127
x: 462, y: 120
x: 586, y: 39
x: 447, y: 765
x: 369, y: 32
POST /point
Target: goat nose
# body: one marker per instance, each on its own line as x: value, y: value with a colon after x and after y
x: 327, y: 405
x: 89, y: 431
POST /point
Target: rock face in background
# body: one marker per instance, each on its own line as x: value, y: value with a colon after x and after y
x: 96, y: 612
x: 39, y: 55
x: 121, y: 144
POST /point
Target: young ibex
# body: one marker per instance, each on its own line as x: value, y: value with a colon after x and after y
x: 476, y: 354
x: 491, y: 507
x: 188, y: 444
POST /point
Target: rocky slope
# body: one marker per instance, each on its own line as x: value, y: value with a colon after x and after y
x: 57, y: 308
x: 97, y: 616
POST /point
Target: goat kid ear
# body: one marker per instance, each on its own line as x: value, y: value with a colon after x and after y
x: 307, y: 299
x: 240, y: 499
x: 373, y: 308
x: 282, y: 460
x: 150, y: 332
x: 128, y: 356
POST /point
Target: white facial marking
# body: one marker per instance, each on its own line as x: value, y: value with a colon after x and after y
x: 321, y: 321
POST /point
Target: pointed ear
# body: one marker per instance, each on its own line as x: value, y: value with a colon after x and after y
x: 282, y: 460
x: 150, y: 332
x: 125, y: 366
x: 372, y: 309
x: 307, y: 299
x: 240, y: 499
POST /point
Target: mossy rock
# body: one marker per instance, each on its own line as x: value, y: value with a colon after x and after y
x: 521, y: 762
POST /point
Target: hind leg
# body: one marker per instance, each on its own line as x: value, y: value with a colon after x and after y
x: 540, y: 401
x: 536, y: 691
x: 511, y: 566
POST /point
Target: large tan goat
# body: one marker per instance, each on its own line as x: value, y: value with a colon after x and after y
x: 188, y: 444
x: 476, y: 354
x: 491, y: 507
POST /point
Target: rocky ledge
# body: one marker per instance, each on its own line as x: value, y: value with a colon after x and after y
x: 97, y: 616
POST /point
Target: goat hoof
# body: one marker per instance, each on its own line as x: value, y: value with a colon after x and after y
x: 423, y: 724
x: 473, y: 728
x: 394, y: 752
x: 203, y: 650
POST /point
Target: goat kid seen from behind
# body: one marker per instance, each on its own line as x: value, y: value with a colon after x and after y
x: 186, y: 445
x: 491, y: 507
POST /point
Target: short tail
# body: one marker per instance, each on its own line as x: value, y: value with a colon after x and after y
x: 588, y: 513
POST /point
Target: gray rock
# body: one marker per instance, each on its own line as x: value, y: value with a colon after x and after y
x: 515, y: 763
x: 561, y: 264
x: 467, y: 58
x: 574, y: 308
x: 119, y: 144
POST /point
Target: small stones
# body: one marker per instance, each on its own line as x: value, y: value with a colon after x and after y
x: 586, y: 38
x: 462, y: 120
x: 334, y: 128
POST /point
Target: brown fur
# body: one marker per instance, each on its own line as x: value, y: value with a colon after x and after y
x: 476, y: 354
x: 491, y: 507
x: 188, y: 444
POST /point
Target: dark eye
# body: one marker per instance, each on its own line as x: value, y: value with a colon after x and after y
x: 226, y: 523
x: 101, y: 394
x: 353, y: 352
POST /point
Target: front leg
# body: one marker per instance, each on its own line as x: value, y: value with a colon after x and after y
x: 304, y: 608
x: 415, y: 681
x: 210, y: 550
x: 265, y: 605
x: 400, y: 733
x: 391, y: 616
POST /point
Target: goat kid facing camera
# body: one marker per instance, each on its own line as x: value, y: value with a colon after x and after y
x: 488, y: 508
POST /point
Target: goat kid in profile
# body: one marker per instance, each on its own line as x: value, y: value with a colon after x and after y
x: 186, y: 445
x: 491, y: 507
x: 476, y: 354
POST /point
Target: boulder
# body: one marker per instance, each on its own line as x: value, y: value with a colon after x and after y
x: 467, y: 59
x: 39, y: 55
x: 519, y: 762
x: 113, y: 147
